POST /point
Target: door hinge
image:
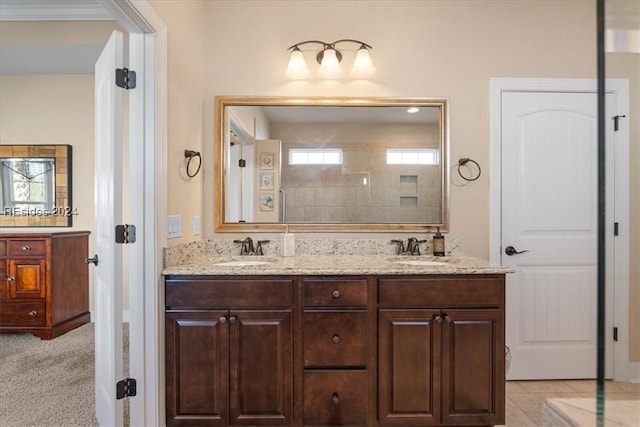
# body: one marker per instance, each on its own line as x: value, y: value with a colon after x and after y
x: 126, y: 388
x: 615, y: 229
x: 125, y: 78
x: 126, y: 233
x: 242, y: 163
x: 616, y: 120
x: 615, y: 333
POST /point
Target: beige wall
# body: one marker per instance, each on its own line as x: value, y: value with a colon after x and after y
x: 55, y: 109
x: 185, y: 20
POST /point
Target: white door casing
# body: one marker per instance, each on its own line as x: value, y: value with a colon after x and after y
x: 544, y: 190
x: 108, y: 196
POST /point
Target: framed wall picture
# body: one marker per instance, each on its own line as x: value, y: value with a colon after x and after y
x: 266, y: 180
x: 266, y: 202
x: 266, y: 161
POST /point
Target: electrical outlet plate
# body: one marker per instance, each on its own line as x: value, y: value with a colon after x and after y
x: 196, y: 225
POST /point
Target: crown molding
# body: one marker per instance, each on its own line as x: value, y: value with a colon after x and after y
x: 57, y: 10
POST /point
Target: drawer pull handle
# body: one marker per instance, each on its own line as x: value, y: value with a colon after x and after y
x: 335, y: 399
x: 10, y: 279
x: 232, y: 319
x: 335, y: 293
x: 222, y: 320
x: 335, y: 339
x: 26, y: 248
x: 33, y: 313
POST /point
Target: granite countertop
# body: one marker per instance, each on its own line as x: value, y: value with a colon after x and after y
x: 334, y: 265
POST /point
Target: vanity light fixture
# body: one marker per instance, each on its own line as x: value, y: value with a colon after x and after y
x: 329, y: 59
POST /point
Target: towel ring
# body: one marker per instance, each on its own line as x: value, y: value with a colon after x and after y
x: 190, y: 155
x: 463, y: 161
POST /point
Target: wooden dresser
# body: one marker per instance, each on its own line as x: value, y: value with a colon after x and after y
x: 44, y: 283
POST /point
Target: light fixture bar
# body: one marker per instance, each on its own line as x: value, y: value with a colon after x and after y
x: 329, y: 59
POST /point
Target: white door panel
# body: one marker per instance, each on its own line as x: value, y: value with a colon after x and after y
x: 108, y: 274
x: 549, y: 208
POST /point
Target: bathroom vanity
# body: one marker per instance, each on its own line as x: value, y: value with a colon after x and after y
x: 335, y: 340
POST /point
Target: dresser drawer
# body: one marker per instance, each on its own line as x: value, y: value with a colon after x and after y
x: 335, y: 398
x: 22, y: 313
x: 30, y: 248
x: 228, y: 293
x: 335, y: 338
x: 475, y: 291
x: 335, y: 292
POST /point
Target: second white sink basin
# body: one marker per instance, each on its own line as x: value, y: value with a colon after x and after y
x: 242, y: 263
x: 420, y: 262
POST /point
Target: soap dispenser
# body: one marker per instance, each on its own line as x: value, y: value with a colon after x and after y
x: 438, y: 244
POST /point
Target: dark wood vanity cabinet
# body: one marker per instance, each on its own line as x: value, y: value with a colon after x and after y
x: 44, y: 283
x: 343, y: 350
x: 441, y: 351
x: 229, y: 352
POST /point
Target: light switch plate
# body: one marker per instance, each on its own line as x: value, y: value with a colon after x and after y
x: 174, y: 226
x: 196, y: 225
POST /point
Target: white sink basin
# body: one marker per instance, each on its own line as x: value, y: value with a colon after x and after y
x: 420, y: 262
x: 242, y: 263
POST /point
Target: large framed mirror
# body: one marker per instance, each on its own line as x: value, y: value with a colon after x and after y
x: 331, y: 164
x: 35, y: 186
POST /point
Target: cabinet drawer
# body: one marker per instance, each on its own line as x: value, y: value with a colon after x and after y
x: 476, y: 291
x: 31, y: 248
x: 229, y: 293
x: 22, y: 313
x: 335, y: 398
x: 335, y: 293
x: 335, y: 338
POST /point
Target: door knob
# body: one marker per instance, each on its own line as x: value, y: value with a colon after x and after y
x: 510, y: 250
x: 93, y: 260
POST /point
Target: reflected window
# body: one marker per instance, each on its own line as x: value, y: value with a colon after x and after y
x: 28, y: 183
x: 413, y: 156
x: 315, y: 156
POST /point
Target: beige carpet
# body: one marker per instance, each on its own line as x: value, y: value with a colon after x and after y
x: 48, y: 383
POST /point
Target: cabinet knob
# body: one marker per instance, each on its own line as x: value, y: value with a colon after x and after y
x: 438, y: 318
x: 26, y: 248
x: 232, y: 319
x: 335, y: 293
x: 33, y: 313
x: 222, y: 319
x: 10, y: 279
x: 335, y: 399
x: 447, y: 318
x: 335, y: 339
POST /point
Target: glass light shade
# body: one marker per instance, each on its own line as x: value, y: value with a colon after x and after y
x: 297, y: 68
x: 362, y: 66
x: 330, y: 66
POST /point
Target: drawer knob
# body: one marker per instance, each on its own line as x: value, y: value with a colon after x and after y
x: 33, y: 313
x: 26, y: 248
x: 222, y: 319
x: 233, y: 319
x: 335, y: 339
x: 10, y: 279
x: 335, y: 293
x: 438, y: 318
x: 335, y: 399
x: 447, y: 318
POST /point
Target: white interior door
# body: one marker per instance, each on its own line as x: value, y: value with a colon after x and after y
x: 108, y: 274
x: 549, y: 209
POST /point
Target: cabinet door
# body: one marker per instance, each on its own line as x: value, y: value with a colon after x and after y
x: 197, y: 368
x: 408, y: 367
x: 4, y: 284
x: 473, y: 367
x: 261, y: 373
x: 27, y: 278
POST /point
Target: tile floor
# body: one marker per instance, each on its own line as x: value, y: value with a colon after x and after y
x: 525, y: 398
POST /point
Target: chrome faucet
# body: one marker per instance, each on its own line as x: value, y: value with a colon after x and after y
x: 247, y: 247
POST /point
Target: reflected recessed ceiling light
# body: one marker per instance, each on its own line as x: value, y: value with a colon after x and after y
x: 413, y: 110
